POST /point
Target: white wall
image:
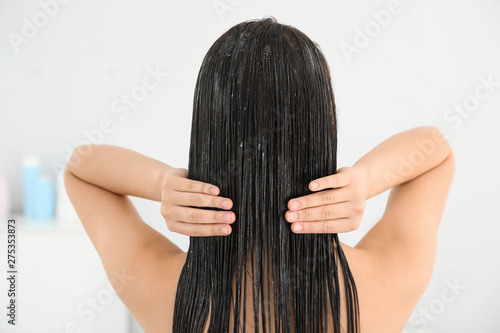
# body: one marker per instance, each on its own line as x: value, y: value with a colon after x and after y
x: 62, y: 82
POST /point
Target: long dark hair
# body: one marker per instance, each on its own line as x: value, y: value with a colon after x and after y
x: 263, y: 127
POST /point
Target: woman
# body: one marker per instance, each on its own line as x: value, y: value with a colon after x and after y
x: 263, y: 202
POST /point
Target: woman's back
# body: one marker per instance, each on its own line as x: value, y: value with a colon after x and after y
x: 391, y: 265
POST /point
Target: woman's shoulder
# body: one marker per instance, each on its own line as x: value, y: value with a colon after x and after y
x: 154, y: 306
x: 386, y: 298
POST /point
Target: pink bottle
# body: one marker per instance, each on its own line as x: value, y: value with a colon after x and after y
x: 4, y: 198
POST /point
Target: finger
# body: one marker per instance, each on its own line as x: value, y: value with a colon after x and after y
x: 332, y: 181
x: 199, y: 230
x: 320, y: 213
x: 202, y: 200
x: 318, y: 199
x: 325, y: 227
x: 196, y: 186
x: 197, y: 215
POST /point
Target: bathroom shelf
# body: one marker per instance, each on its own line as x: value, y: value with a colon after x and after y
x: 59, y: 275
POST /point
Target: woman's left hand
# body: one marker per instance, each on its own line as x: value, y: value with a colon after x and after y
x: 337, y: 209
x: 179, y: 193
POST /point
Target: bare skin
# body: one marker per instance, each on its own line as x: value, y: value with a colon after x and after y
x: 391, y: 265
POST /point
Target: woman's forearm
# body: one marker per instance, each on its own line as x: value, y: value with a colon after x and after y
x: 402, y: 158
x: 119, y: 170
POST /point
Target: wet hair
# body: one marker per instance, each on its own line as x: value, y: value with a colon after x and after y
x: 263, y: 127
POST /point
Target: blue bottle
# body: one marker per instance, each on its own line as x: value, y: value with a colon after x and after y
x: 44, y: 202
x: 31, y: 172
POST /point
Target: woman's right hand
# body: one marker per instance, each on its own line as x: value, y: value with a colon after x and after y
x: 179, y: 192
x: 335, y: 210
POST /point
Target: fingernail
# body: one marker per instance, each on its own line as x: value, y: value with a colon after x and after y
x: 228, y: 217
x: 213, y: 190
x: 297, y: 227
x: 293, y: 216
x: 224, y: 230
x: 295, y: 204
x: 314, y: 185
x: 225, y: 204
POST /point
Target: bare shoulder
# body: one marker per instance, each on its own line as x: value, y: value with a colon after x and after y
x: 393, y: 263
x: 156, y: 314
x: 379, y: 311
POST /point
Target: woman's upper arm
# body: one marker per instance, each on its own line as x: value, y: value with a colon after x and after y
x: 400, y: 249
x: 126, y: 245
x: 413, y: 213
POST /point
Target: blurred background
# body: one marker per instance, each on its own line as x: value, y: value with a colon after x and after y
x: 124, y: 72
